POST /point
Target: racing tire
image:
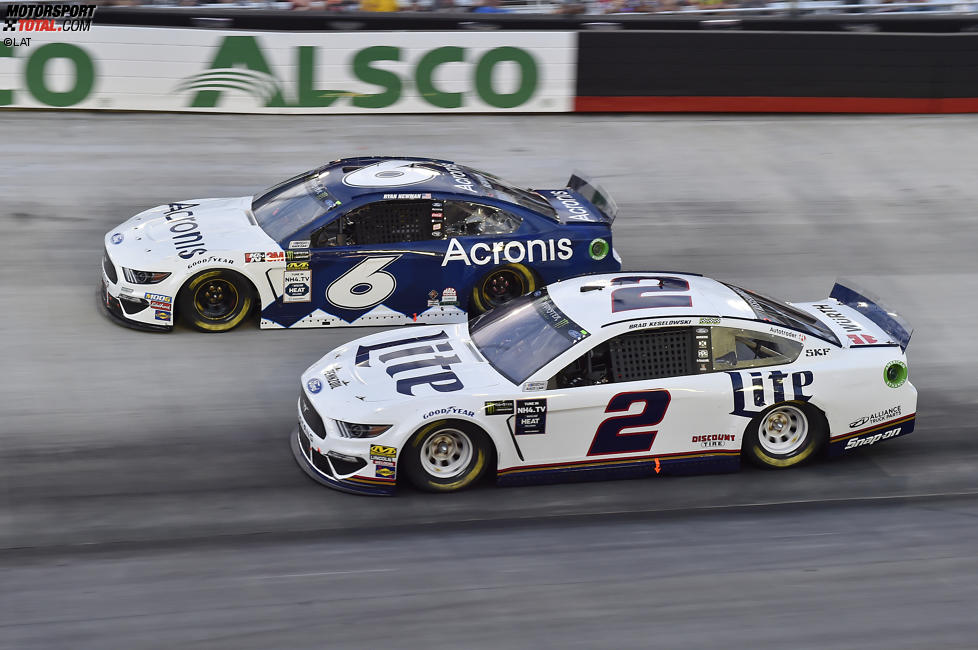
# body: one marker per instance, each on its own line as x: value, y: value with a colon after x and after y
x: 501, y: 285
x: 446, y: 456
x: 215, y: 300
x: 785, y: 435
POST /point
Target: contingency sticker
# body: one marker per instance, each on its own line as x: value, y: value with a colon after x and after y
x: 297, y: 286
x: 531, y: 417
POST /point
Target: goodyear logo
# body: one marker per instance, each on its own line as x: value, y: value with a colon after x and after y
x: 382, y: 451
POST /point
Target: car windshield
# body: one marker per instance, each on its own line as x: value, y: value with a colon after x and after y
x: 524, y: 335
x: 780, y: 312
x: 292, y: 204
x: 509, y: 192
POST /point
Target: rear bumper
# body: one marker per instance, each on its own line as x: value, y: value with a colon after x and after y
x: 869, y: 436
x: 319, y: 467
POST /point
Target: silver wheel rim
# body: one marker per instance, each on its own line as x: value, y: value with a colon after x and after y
x: 446, y: 453
x: 783, y: 431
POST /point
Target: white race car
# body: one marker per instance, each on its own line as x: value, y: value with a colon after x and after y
x: 610, y: 375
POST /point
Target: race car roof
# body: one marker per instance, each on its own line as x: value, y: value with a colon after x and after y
x: 401, y: 176
x: 593, y: 301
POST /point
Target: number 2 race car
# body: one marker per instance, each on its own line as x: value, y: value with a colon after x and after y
x: 359, y: 241
x: 609, y: 375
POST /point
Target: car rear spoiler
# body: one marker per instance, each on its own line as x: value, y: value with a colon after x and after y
x: 871, y: 307
x: 595, y: 194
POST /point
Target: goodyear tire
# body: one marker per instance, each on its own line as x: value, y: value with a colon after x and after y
x: 785, y: 435
x: 215, y: 300
x: 446, y: 456
x: 501, y: 285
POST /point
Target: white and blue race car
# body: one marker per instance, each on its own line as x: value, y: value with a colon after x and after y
x: 359, y: 241
x: 610, y: 375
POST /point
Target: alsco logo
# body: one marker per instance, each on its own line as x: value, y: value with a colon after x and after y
x: 240, y: 66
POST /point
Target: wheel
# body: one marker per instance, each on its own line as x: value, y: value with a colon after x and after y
x: 501, y: 285
x: 215, y: 301
x: 446, y: 456
x: 784, y: 435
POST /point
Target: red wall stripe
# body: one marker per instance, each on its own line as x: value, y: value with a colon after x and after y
x: 775, y: 105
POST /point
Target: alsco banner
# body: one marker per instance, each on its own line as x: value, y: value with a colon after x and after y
x: 151, y: 69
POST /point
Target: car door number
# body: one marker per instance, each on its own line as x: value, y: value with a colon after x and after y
x: 609, y: 439
x: 365, y: 285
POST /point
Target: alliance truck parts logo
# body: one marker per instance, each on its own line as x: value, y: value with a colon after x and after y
x: 240, y: 66
x: 45, y: 18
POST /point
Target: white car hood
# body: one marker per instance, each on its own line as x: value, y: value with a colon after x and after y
x: 405, y: 364
x: 187, y: 230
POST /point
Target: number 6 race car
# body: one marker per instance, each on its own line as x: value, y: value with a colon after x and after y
x: 608, y: 375
x: 360, y: 241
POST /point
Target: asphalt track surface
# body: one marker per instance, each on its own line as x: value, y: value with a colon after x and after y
x: 148, y: 497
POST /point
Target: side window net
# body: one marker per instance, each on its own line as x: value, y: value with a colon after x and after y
x: 393, y: 222
x: 652, y: 355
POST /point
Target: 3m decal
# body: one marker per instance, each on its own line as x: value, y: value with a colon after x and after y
x: 772, y: 389
x: 499, y: 407
x: 648, y: 292
x: 531, y: 417
x: 611, y: 436
x: 365, y: 285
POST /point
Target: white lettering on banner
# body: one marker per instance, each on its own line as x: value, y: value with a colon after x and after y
x: 535, y: 250
x: 294, y: 72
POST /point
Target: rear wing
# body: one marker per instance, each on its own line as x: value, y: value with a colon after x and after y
x: 595, y: 194
x: 871, y: 307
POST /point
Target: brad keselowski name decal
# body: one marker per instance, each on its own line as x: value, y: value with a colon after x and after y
x: 186, y: 233
x: 773, y: 389
x: 420, y: 356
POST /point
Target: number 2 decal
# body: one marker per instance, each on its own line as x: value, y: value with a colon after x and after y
x: 637, y: 295
x: 609, y: 439
x: 365, y: 285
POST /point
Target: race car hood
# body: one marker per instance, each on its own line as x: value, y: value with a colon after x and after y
x: 851, y: 327
x: 405, y: 365
x: 188, y: 230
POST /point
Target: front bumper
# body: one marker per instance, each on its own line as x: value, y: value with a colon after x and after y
x: 112, y: 306
x: 319, y: 466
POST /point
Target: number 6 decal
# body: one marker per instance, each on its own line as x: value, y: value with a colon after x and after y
x: 609, y: 439
x: 365, y: 285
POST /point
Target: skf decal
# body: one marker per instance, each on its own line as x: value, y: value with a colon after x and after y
x: 503, y: 407
x: 495, y: 253
x: 768, y: 390
x: 817, y: 352
x: 531, y: 417
x: 380, y: 452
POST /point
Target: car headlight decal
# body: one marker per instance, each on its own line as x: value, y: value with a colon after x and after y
x: 144, y: 277
x: 353, y: 430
